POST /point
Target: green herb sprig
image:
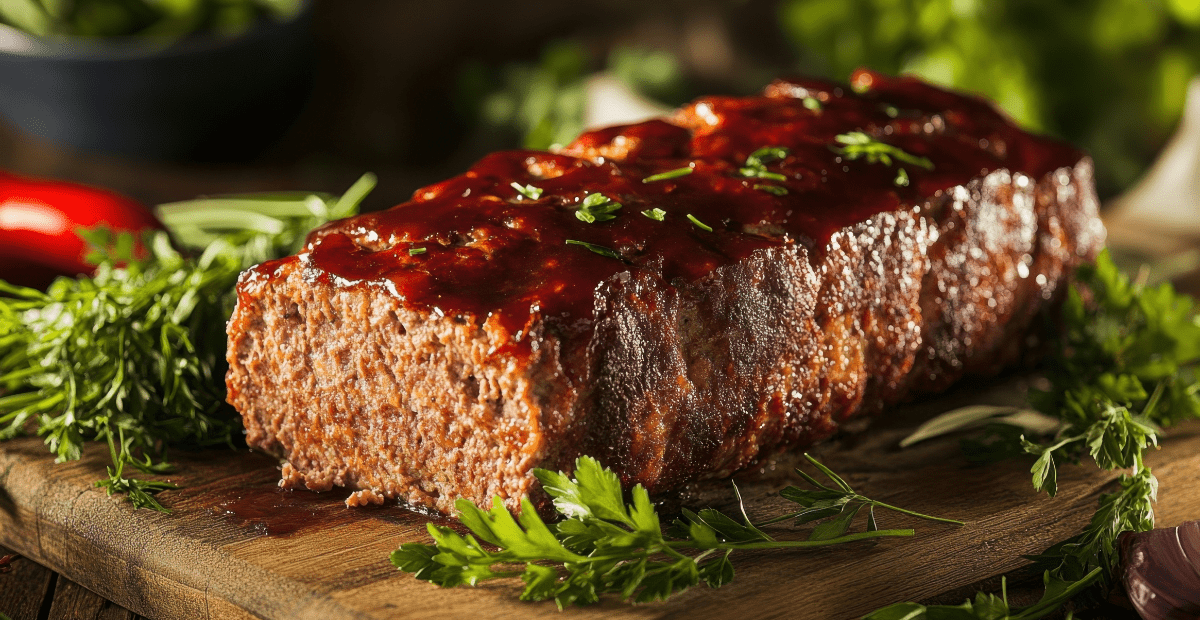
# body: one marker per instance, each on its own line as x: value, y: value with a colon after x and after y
x: 670, y: 174
x: 1125, y: 367
x: 528, y: 191
x: 698, y: 223
x: 988, y: 606
x: 858, y: 145
x: 756, y: 163
x: 770, y: 189
x: 597, y: 249
x: 604, y: 545
x: 135, y: 355
x: 1119, y: 337
x: 597, y: 208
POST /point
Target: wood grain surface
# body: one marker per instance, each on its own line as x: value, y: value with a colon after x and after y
x: 237, y: 547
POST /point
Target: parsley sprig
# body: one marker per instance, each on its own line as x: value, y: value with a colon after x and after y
x: 134, y: 355
x: 1125, y: 367
x: 605, y: 545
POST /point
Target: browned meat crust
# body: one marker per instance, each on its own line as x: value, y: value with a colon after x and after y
x: 374, y: 384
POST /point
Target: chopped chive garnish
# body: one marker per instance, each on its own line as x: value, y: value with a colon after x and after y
x: 892, y: 111
x: 812, y: 103
x: 670, y: 174
x: 902, y: 178
x: 528, y: 191
x: 759, y: 158
x: 655, y: 214
x: 597, y: 208
x: 761, y: 173
x: 756, y: 163
x: 771, y: 189
x: 598, y: 249
x: 415, y: 251
x: 699, y: 223
x: 858, y: 144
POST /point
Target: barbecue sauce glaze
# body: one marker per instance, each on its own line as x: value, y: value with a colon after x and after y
x: 492, y: 252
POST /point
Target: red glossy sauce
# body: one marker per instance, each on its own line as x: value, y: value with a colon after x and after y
x: 489, y: 251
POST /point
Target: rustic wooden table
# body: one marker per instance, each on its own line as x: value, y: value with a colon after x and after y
x: 31, y: 591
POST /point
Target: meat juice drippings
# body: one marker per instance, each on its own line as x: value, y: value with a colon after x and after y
x: 475, y: 245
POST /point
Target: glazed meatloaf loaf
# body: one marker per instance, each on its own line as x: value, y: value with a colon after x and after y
x: 677, y: 298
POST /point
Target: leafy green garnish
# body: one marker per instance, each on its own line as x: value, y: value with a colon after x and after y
x: 416, y: 251
x: 698, y: 223
x: 135, y: 355
x: 1130, y: 509
x: 1125, y: 367
x: 1119, y: 338
x: 528, y: 191
x: 991, y: 607
x: 598, y: 249
x: 856, y: 145
x: 901, y: 178
x: 771, y: 189
x: 256, y: 227
x: 670, y: 174
x: 756, y: 163
x: 840, y: 500
x: 655, y: 214
x: 597, y: 208
x: 605, y: 545
x: 812, y: 103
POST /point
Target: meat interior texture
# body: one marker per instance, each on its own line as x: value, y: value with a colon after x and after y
x: 446, y: 347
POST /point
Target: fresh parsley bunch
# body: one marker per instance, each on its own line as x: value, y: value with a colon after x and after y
x: 135, y: 354
x: 604, y: 545
x: 1125, y: 367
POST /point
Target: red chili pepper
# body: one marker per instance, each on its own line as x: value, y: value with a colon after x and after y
x: 38, y: 219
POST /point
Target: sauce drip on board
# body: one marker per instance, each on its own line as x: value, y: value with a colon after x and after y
x: 476, y: 245
x: 269, y: 510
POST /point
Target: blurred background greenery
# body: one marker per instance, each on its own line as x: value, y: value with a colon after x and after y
x: 416, y: 90
x: 1110, y: 76
x: 150, y: 18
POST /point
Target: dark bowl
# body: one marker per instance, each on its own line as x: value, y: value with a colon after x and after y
x: 205, y: 97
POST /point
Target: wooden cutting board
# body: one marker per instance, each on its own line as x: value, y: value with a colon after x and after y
x: 237, y: 547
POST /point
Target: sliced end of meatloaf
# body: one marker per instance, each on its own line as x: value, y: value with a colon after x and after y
x: 776, y: 295
x: 356, y: 390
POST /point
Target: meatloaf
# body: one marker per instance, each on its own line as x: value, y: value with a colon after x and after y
x: 678, y: 298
